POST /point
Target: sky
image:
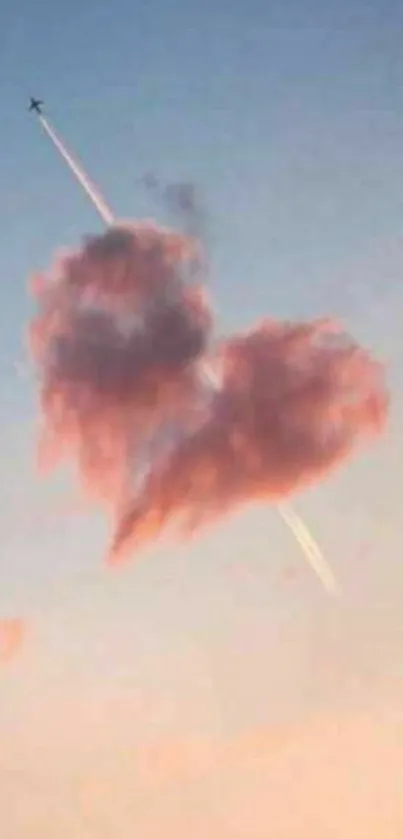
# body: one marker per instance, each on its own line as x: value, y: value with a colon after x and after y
x: 211, y: 689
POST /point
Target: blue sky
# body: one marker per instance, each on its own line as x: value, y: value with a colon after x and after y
x: 289, y: 118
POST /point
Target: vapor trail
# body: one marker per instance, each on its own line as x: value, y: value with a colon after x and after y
x: 301, y: 533
x: 298, y: 528
x: 90, y: 189
x: 310, y: 548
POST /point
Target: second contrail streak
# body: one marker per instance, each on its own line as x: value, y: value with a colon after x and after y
x: 310, y: 548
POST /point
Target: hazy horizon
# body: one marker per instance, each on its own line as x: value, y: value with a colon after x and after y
x: 212, y: 688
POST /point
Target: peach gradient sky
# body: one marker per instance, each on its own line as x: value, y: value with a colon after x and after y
x: 211, y: 691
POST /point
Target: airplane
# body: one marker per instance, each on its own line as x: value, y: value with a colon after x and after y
x: 35, y: 105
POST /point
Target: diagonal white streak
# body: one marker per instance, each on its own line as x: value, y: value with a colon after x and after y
x: 90, y: 189
x: 310, y: 548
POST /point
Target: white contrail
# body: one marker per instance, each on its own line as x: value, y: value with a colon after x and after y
x: 298, y: 528
x: 295, y: 524
x: 91, y: 190
x: 310, y: 548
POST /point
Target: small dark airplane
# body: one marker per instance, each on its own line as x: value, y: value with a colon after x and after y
x: 35, y: 105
